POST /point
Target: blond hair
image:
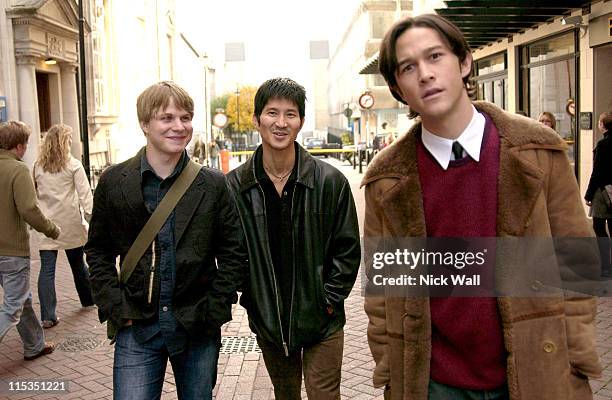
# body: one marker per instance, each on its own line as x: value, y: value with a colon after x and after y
x: 12, y: 134
x: 157, y: 97
x: 54, y: 151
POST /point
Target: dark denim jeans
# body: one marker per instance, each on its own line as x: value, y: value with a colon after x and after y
x: 438, y: 391
x: 46, y: 281
x: 139, y: 369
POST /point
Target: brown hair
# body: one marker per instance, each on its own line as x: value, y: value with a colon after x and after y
x: 606, y: 120
x: 157, y: 97
x: 450, y: 34
x: 54, y: 151
x: 13, y: 133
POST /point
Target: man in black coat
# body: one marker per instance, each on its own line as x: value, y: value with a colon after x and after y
x: 181, y: 290
x: 302, y: 233
x: 595, y: 195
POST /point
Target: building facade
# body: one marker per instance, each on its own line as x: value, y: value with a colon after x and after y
x: 559, y: 65
x: 39, y: 65
x: 352, y: 72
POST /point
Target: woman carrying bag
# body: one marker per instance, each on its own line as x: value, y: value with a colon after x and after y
x: 63, y: 191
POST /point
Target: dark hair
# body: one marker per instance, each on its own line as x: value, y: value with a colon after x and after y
x: 606, y: 119
x: 280, y: 88
x: 450, y: 34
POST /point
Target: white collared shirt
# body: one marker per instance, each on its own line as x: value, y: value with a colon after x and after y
x: 470, y: 139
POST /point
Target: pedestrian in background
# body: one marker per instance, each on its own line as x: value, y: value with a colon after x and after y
x: 390, y: 138
x: 18, y: 207
x: 595, y: 196
x: 547, y: 118
x: 213, y: 151
x: 64, y: 195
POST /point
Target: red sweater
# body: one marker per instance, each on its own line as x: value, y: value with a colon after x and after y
x: 467, y: 339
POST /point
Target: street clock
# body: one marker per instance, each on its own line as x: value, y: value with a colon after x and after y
x: 220, y: 120
x: 366, y: 100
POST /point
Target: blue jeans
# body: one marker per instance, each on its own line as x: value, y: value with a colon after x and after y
x: 138, y: 370
x: 438, y: 391
x: 46, y: 281
x: 16, y: 309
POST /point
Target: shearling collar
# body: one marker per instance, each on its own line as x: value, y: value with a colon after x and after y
x: 516, y: 132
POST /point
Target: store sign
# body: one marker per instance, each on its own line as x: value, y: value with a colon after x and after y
x: 586, y: 119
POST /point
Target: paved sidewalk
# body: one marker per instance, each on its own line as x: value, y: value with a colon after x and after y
x: 84, y: 357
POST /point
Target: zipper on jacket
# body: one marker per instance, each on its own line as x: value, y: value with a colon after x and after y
x: 280, y: 322
x: 292, y: 266
x: 151, y: 273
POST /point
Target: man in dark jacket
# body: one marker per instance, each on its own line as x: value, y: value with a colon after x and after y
x: 302, y: 233
x: 595, y: 196
x: 181, y: 290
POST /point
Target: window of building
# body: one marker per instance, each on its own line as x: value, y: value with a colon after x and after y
x: 549, y: 70
x: 376, y: 80
x: 491, y: 78
x: 380, y: 22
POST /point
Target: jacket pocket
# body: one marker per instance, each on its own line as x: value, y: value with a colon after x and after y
x: 136, y: 287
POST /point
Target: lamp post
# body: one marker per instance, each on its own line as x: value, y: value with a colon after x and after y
x: 237, y: 109
x: 83, y: 97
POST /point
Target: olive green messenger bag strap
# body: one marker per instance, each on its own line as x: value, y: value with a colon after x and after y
x: 152, y: 227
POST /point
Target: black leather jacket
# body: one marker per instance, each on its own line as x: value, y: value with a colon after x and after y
x: 326, y: 252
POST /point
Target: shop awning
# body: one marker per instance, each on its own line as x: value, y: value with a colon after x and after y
x: 484, y: 22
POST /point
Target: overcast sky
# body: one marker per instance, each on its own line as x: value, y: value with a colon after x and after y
x: 276, y: 33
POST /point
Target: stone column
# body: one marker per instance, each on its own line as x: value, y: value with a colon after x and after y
x: 28, y: 103
x: 70, y: 106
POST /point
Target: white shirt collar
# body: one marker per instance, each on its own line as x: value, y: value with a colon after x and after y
x: 470, y: 139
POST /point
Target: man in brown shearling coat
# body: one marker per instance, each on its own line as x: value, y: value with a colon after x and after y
x: 432, y: 182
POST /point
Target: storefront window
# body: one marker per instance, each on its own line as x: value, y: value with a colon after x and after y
x: 492, y: 79
x: 549, y: 84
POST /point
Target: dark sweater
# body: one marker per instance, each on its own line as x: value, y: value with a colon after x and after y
x: 467, y: 338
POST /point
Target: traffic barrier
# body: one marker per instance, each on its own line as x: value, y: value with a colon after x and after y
x: 225, y: 158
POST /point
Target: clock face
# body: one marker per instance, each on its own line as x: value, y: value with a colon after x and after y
x: 366, y: 100
x: 220, y: 120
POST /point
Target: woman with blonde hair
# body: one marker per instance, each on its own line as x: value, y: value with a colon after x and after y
x: 547, y: 118
x: 63, y: 191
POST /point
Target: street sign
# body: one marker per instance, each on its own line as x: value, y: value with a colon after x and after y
x: 220, y: 120
x: 348, y: 112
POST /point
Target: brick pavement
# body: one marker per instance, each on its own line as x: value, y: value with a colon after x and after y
x: 84, y: 357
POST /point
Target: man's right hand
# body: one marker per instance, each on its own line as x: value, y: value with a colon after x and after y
x: 56, y: 233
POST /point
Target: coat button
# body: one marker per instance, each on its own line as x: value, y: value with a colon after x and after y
x: 549, y: 347
x: 164, y: 308
x: 536, y: 286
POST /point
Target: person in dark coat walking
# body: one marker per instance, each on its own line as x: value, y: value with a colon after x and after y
x: 600, y: 177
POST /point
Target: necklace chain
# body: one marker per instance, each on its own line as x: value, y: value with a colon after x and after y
x: 279, y: 177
